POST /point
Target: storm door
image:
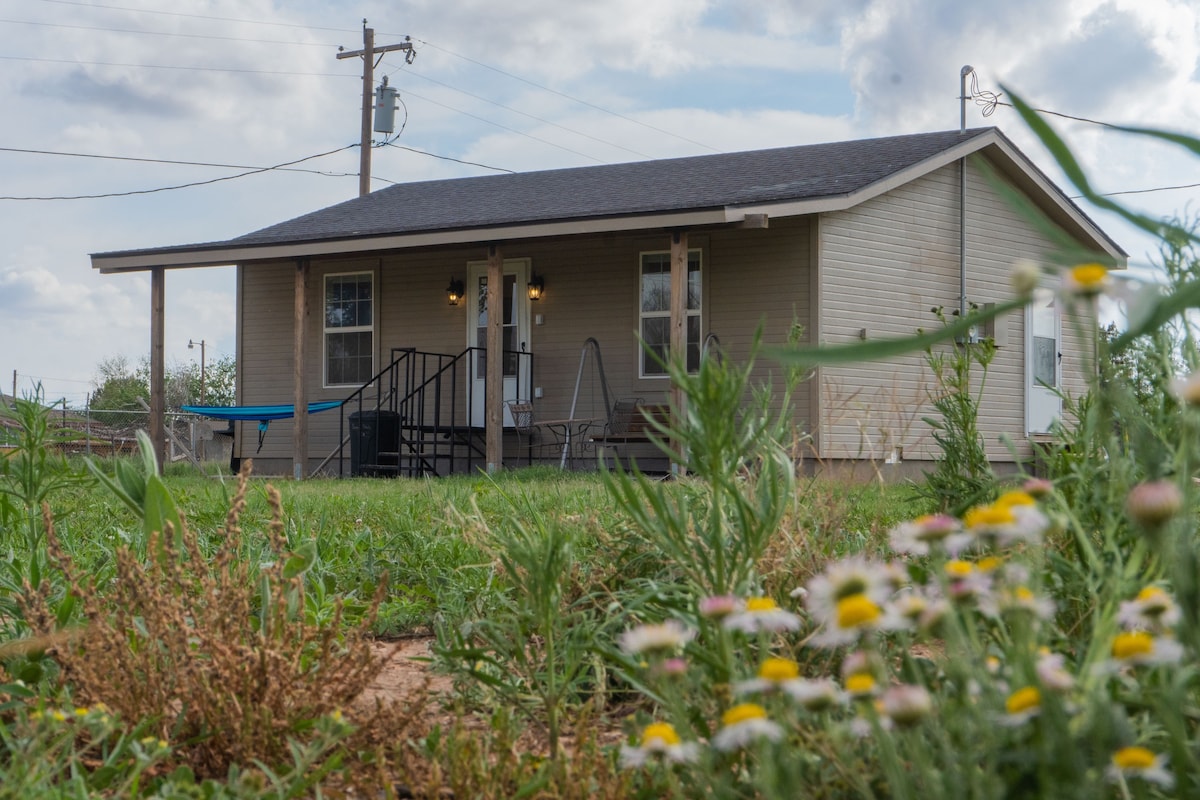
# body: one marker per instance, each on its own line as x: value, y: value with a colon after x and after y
x: 515, y: 335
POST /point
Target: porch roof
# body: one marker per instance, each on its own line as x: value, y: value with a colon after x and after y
x: 676, y: 192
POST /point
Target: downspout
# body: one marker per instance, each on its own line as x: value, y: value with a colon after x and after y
x: 962, y: 198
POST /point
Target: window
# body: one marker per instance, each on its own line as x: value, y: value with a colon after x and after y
x: 349, y: 329
x: 655, y: 312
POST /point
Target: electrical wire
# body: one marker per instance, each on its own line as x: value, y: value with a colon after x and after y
x: 197, y: 16
x: 447, y: 158
x: 523, y: 114
x: 505, y: 127
x: 288, y: 73
x: 562, y: 94
x: 171, y: 161
x: 161, y: 33
x: 182, y: 185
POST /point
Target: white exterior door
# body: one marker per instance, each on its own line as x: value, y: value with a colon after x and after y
x: 1043, y: 362
x: 514, y: 337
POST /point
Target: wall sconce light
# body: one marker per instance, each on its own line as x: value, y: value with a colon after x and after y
x: 537, y: 285
x: 454, y: 292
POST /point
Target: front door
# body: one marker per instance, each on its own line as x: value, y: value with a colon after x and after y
x: 515, y: 335
x: 1043, y: 348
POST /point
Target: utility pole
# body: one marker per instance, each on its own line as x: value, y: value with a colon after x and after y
x: 368, y: 56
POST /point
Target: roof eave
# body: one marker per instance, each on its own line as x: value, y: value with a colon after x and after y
x: 230, y: 253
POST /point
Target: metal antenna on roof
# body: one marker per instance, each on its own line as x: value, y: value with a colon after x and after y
x: 983, y: 98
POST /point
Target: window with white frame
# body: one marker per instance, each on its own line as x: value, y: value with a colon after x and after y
x: 655, y: 312
x: 349, y: 329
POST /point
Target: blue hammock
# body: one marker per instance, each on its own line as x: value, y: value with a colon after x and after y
x: 264, y: 414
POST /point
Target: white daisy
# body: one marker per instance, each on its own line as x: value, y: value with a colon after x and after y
x: 1139, y: 762
x: 1142, y: 648
x: 1021, y: 706
x: 659, y: 742
x: 743, y: 725
x: 917, y: 537
x: 762, y: 614
x: 854, y: 616
x: 1052, y: 672
x: 664, y: 637
x: 906, y: 704
x: 1153, y: 609
x: 848, y: 577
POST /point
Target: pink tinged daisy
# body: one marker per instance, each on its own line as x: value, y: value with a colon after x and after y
x: 906, y: 704
x: 1153, y: 609
x: 719, y: 606
x: 762, y: 614
x: 1037, y: 488
x: 917, y: 537
x: 659, y: 742
x: 1188, y: 390
x: 816, y: 695
x: 1052, y: 672
x: 743, y: 725
x: 1142, y: 648
x: 1140, y: 763
x: 1153, y: 503
x: 1021, y: 706
x: 662, y: 638
x: 966, y: 581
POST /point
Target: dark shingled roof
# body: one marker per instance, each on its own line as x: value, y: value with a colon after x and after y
x: 643, y: 187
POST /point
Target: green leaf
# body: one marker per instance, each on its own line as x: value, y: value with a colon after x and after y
x: 889, y: 348
x: 160, y: 509
x: 300, y: 561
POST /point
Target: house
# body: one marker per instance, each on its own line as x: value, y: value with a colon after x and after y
x: 847, y: 240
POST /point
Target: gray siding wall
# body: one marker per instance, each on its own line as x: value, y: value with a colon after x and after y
x: 885, y: 264
x: 592, y: 290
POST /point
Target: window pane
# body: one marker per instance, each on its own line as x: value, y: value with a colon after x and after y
x: 1045, y: 357
x: 349, y: 358
x: 656, y: 290
x: 693, y: 301
x: 693, y: 343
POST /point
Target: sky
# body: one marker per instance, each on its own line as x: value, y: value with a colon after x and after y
x: 237, y: 85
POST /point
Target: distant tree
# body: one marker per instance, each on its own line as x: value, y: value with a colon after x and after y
x: 120, y: 390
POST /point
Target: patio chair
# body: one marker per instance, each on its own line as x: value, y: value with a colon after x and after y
x: 523, y: 424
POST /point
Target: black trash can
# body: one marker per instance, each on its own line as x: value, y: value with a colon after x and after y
x: 372, y: 432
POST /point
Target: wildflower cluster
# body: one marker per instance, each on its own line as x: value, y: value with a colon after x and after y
x: 957, y: 635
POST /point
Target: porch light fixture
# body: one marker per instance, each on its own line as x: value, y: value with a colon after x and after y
x: 454, y: 291
x: 537, y: 285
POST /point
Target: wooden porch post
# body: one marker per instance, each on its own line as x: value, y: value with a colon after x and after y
x: 299, y: 374
x: 679, y: 304
x: 494, y: 380
x: 158, y: 392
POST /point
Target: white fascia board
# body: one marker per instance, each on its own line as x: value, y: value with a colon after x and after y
x: 136, y: 261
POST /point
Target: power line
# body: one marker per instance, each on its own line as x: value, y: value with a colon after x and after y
x: 524, y: 114
x: 171, y: 66
x: 197, y: 16
x: 160, y: 33
x: 171, y: 161
x: 182, y: 185
x: 565, y: 95
x: 445, y: 158
x: 504, y: 127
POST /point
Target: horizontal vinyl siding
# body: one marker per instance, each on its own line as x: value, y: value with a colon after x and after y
x: 885, y: 265
x: 592, y: 290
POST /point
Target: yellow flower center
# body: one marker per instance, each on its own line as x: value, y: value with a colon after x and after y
x: 855, y: 611
x: 1023, y: 594
x: 1132, y: 644
x: 989, y: 563
x: 744, y: 712
x: 1022, y: 700
x: 1133, y: 758
x: 958, y: 568
x: 1089, y: 276
x: 860, y: 683
x: 779, y: 670
x: 1015, y: 498
x: 989, y: 516
x: 662, y: 731
x: 760, y: 604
